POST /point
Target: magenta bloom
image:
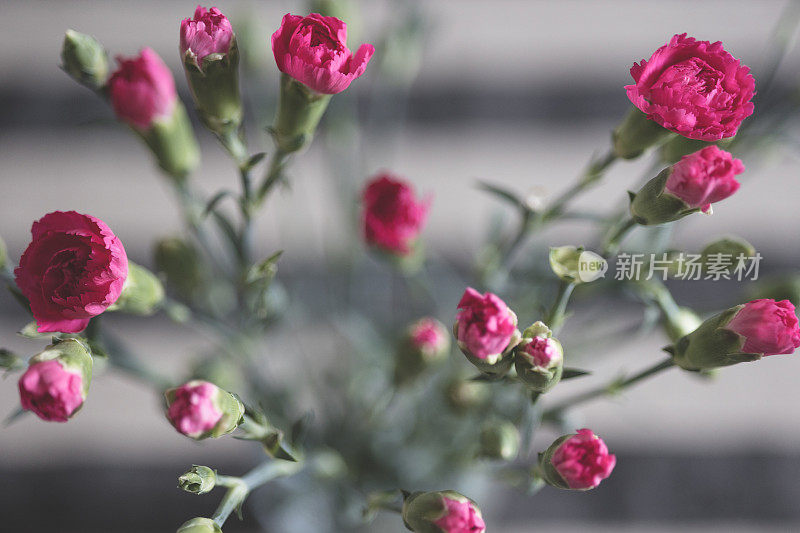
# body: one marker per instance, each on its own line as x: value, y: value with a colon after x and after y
x: 393, y: 217
x: 544, y: 351
x: 694, y: 88
x: 583, y: 460
x: 769, y: 327
x: 73, y: 269
x: 192, y: 410
x: 704, y: 177
x: 51, y: 391
x: 209, y: 32
x: 429, y: 336
x: 461, y: 517
x: 142, y: 90
x: 313, y: 50
x: 484, y: 324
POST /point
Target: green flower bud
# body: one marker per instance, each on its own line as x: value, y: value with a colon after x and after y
x: 299, y: 111
x: 539, y: 358
x: 499, y: 440
x: 172, y: 141
x: 464, y: 395
x: 712, y: 345
x: 734, y: 247
x: 426, y: 343
x: 653, y: 205
x: 214, y: 83
x: 84, y: 59
x: 74, y: 356
x: 428, y: 512
x: 180, y: 261
x: 198, y: 480
x: 199, y: 525
x: 142, y: 293
x: 576, y: 265
x: 636, y: 134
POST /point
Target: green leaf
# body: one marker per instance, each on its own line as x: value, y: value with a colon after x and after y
x: 265, y: 270
x: 216, y: 199
x: 15, y: 415
x: 299, y: 429
x: 19, y: 297
x: 254, y: 160
x: 570, y: 373
x: 503, y: 194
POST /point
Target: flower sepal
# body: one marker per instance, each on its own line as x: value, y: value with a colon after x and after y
x: 199, y: 525
x: 171, y: 140
x: 636, y: 133
x: 653, y: 205
x: 299, y: 111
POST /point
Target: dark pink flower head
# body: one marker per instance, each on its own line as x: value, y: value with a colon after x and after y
x: 52, y: 392
x: 313, y: 50
x: 429, y: 335
x: 73, y: 269
x: 192, y: 409
x: 484, y: 324
x: 694, y: 88
x: 461, y: 516
x: 704, y: 177
x: 544, y: 352
x: 769, y: 327
x: 583, y: 460
x: 209, y: 32
x: 392, y: 215
x: 142, y: 89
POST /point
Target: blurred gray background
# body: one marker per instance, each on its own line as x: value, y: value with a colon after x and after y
x: 513, y: 91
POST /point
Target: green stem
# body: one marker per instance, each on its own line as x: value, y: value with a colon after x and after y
x: 274, y: 173
x: 557, y: 312
x: 613, y: 387
x: 120, y: 357
x: 614, y: 241
x: 240, y: 488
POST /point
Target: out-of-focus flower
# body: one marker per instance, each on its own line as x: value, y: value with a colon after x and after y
x: 313, y: 50
x: 84, y: 59
x: 462, y: 395
x: 539, y: 358
x: 426, y: 343
x: 57, y: 381
x: 199, y: 525
x: 693, y: 88
x: 742, y: 333
x: 690, y: 185
x: 392, y: 215
x: 578, y: 461
x: 142, y: 293
x: 199, y: 409
x: 442, y: 512
x: 73, y: 269
x: 499, y: 440
x: 142, y: 94
x: 211, y: 60
x: 486, y: 330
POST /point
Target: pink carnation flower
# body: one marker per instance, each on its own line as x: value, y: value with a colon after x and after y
x: 313, y: 50
x: 769, y: 327
x: 192, y: 410
x: 704, y: 177
x: 142, y: 89
x: 428, y: 335
x: 694, y: 88
x: 50, y: 391
x: 73, y: 269
x: 484, y: 324
x: 461, y: 517
x: 393, y: 217
x: 209, y: 32
x: 583, y: 460
x: 544, y: 352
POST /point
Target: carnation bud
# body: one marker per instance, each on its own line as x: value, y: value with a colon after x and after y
x: 426, y: 343
x: 689, y: 186
x: 198, y: 480
x: 462, y: 395
x: 57, y: 381
x: 142, y: 293
x: 85, y: 60
x: 576, y: 265
x: 636, y: 133
x: 539, y: 358
x: 199, y: 525
x: 199, y: 409
x: 442, y: 512
x: 299, y: 111
x: 734, y: 247
x: 180, y: 261
x: 486, y: 331
x: 210, y: 57
x: 499, y: 440
x: 579, y: 461
x: 740, y: 334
